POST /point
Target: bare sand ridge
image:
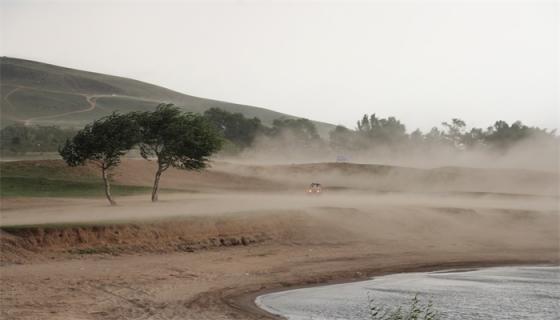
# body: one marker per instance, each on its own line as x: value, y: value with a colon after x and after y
x: 240, y: 229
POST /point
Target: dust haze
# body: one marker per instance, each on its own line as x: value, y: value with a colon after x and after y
x: 533, y: 153
x: 391, y: 200
x: 247, y: 224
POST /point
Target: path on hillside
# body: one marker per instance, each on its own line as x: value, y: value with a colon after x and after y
x: 90, y: 98
x: 91, y: 106
x: 9, y: 104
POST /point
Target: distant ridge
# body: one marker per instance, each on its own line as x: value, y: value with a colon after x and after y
x: 39, y: 93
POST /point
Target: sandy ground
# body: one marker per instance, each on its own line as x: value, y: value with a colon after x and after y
x: 206, y: 255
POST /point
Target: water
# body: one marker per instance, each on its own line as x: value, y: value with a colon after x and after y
x: 489, y: 293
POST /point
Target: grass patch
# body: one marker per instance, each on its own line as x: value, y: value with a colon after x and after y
x: 35, y: 103
x: 48, y: 169
x: 43, y: 187
x: 29, y: 102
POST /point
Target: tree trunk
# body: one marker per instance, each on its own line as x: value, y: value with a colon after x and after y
x: 155, y: 189
x: 108, y: 187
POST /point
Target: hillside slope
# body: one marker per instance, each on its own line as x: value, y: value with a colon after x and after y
x: 39, y: 93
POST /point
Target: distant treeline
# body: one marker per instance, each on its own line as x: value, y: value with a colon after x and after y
x: 371, y: 131
x: 20, y: 139
x: 240, y: 132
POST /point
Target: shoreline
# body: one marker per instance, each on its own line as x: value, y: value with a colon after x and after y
x: 246, y: 302
x: 220, y: 282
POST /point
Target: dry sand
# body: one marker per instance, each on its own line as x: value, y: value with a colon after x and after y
x: 249, y: 229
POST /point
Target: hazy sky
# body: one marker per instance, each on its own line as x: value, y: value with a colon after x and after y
x: 423, y: 62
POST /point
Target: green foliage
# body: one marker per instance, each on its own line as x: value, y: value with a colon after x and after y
x: 43, y: 187
x: 242, y: 132
x: 102, y: 142
x: 373, y: 131
x: 36, y: 103
x: 370, y: 131
x: 302, y: 129
x: 455, y: 130
x: 340, y: 137
x: 234, y: 127
x: 104, y: 106
x: 48, y: 169
x: 49, y: 90
x: 20, y: 139
x: 177, y: 139
x: 380, y: 130
x: 416, y: 311
x: 180, y: 139
x: 502, y: 135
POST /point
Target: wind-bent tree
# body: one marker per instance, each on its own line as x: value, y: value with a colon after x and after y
x: 176, y: 139
x: 102, y: 142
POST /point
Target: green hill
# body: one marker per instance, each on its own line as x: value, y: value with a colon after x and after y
x: 38, y: 93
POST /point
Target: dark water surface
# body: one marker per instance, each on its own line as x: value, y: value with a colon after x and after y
x: 489, y: 293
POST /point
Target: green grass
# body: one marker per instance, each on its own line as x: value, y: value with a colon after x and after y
x: 41, y: 76
x: 48, y: 169
x: 53, y: 178
x: 43, y: 187
x: 31, y: 103
x: 107, y: 105
x: 124, y: 105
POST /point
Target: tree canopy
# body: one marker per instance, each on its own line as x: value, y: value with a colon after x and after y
x: 176, y: 139
x: 381, y: 130
x: 372, y: 132
x: 235, y: 127
x: 102, y: 142
x: 302, y: 129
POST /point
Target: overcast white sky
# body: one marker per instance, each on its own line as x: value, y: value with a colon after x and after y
x: 423, y: 62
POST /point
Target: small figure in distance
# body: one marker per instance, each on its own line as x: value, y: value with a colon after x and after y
x: 314, y: 189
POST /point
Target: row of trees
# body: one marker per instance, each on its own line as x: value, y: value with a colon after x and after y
x: 185, y: 140
x: 20, y: 139
x: 167, y: 135
x: 372, y: 131
x: 242, y: 132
